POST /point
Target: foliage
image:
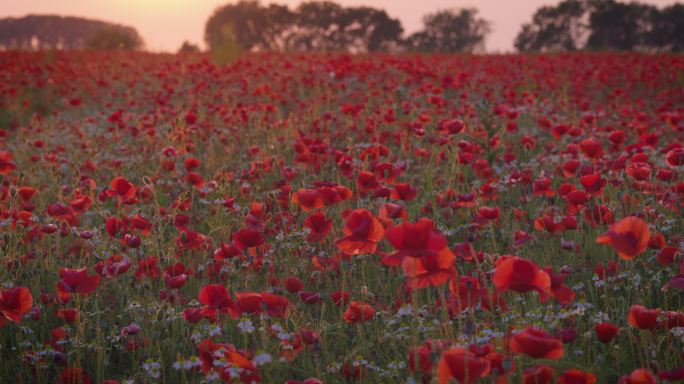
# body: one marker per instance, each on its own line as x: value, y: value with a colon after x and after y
x: 451, y: 31
x: 44, y: 32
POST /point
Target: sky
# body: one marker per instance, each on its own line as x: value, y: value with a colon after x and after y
x: 165, y: 24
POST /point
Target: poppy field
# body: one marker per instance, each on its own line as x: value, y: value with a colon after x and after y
x: 330, y: 218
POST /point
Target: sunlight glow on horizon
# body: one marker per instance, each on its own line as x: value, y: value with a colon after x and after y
x: 165, y: 24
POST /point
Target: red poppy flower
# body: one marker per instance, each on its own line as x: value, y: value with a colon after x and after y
x: 419, y: 360
x: 605, y: 332
x: 308, y: 199
x: 462, y: 365
x: 74, y: 376
x: 76, y: 280
x: 6, y: 164
x: 576, y: 376
x: 675, y: 157
x: 642, y: 317
x: 591, y: 148
x: 248, y: 238
x: 358, y: 312
x: 113, y: 266
x: 216, y: 300
x: 561, y: 292
x: 629, y: 237
x: 362, y: 233
x: 121, y: 188
x: 520, y: 275
x: 673, y: 374
x: 248, y: 302
x: 318, y: 225
x: 489, y: 213
x: 639, y: 376
x: 403, y: 191
x: 175, y: 275
x: 14, y: 303
x: 536, y: 343
x: 188, y: 240
x: 539, y: 374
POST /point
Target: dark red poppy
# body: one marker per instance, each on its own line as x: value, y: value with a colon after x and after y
x: 606, y: 332
x: 14, y: 303
x: 576, y: 376
x: 6, y: 164
x: 74, y: 376
x: 462, y: 365
x: 539, y: 374
x: 358, y: 312
x: 629, y: 237
x: 536, y: 343
x: 319, y: 226
x: 75, y: 280
x: 248, y: 238
x: 403, y: 191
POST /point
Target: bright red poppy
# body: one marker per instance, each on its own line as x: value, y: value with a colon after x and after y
x: 642, y: 317
x: 362, y: 233
x: 628, y: 236
x: 520, y: 275
x: 639, y: 376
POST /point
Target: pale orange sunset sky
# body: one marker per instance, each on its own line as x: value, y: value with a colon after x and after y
x: 164, y: 24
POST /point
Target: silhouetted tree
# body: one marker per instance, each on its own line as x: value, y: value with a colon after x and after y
x: 619, y: 26
x: 667, y: 29
x: 603, y: 25
x: 249, y: 25
x: 555, y: 28
x: 451, y: 31
x: 188, y: 47
x: 112, y: 38
x: 35, y: 32
x: 313, y: 26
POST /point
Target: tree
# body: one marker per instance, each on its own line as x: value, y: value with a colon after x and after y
x: 313, y: 26
x: 112, y: 38
x: 247, y: 24
x: 451, y: 31
x: 603, y: 25
x: 619, y: 26
x: 555, y: 28
x: 667, y: 29
x: 35, y: 32
x: 188, y: 47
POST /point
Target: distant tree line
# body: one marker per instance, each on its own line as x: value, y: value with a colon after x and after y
x: 249, y: 25
x: 599, y: 25
x: 327, y: 26
x: 44, y: 32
